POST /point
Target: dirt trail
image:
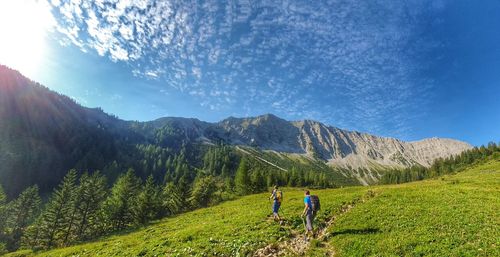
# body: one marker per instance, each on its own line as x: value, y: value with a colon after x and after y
x: 297, y: 246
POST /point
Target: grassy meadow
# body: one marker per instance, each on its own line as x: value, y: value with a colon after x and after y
x: 453, y: 215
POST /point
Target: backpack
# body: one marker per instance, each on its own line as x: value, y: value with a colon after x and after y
x: 316, y: 205
x: 279, y: 196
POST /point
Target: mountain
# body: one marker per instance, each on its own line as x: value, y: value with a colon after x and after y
x: 41, y: 130
x: 342, y: 148
x: 43, y: 134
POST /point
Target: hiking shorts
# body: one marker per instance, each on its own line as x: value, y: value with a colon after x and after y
x: 276, y: 207
x: 309, y: 221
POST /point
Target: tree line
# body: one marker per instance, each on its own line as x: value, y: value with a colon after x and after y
x: 442, y: 166
x: 85, y: 206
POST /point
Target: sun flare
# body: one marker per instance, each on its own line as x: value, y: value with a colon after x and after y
x: 23, y: 30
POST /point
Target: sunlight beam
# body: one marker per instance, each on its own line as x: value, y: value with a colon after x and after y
x: 24, y: 25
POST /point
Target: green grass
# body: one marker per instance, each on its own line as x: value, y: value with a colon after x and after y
x: 455, y: 215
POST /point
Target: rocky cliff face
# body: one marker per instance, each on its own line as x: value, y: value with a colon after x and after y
x: 358, y: 152
x: 337, y: 146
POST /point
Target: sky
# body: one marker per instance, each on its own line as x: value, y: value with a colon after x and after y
x: 404, y: 69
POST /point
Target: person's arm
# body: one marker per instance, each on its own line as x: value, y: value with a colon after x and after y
x: 305, y: 210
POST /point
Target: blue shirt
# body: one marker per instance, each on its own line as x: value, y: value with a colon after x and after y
x: 307, y: 200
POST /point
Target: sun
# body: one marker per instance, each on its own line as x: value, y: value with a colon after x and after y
x: 24, y: 25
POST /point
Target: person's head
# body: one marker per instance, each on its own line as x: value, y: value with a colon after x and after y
x: 307, y: 192
x: 276, y: 187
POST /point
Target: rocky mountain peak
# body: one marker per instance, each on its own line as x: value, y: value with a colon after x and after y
x: 342, y: 148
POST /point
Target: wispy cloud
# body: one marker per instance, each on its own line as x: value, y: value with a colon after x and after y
x: 348, y: 63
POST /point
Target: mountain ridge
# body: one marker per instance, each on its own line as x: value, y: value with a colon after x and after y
x: 269, y: 132
x: 43, y: 128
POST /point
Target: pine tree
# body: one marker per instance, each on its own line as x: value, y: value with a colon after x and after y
x: 224, y: 171
x: 229, y: 185
x: 167, y: 177
x: 55, y: 218
x: 203, y: 189
x: 172, y: 202
x: 258, y: 182
x: 168, y: 164
x: 32, y: 235
x: 21, y: 213
x: 69, y: 231
x: 208, y: 161
x: 3, y: 214
x: 242, y: 179
x: 270, y: 181
x: 148, y: 202
x: 184, y: 191
x: 119, y: 205
x: 90, y: 197
x: 112, y: 170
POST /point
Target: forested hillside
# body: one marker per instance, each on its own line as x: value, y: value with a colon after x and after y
x: 44, y: 134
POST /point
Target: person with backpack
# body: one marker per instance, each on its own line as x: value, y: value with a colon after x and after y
x: 311, y: 206
x: 277, y: 197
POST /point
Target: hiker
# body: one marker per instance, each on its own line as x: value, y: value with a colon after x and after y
x: 277, y: 197
x: 309, y: 214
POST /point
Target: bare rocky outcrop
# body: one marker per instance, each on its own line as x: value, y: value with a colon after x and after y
x: 337, y: 146
x: 361, y: 153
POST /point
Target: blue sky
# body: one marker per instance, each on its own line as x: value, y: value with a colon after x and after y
x: 405, y: 69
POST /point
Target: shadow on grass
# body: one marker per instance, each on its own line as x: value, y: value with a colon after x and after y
x: 356, y: 231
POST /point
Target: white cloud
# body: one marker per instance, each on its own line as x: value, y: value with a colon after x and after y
x: 283, y: 56
x: 117, y: 53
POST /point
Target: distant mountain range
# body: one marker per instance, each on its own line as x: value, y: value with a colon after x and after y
x: 44, y: 130
x: 338, y: 147
x: 346, y: 149
x: 342, y: 148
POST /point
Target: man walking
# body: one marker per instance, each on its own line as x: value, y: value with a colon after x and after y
x: 277, y: 197
x: 309, y: 214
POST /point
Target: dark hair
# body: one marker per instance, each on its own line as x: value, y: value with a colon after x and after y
x: 307, y: 192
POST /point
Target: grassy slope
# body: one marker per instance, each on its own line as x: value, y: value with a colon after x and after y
x: 457, y: 215
x: 450, y: 216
